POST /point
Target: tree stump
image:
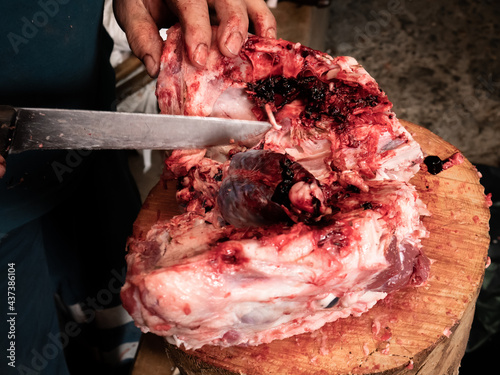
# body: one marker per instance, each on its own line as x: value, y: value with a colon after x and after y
x: 420, y: 330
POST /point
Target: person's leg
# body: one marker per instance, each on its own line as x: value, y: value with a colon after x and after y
x: 30, y: 333
x: 114, y: 192
x: 86, y: 238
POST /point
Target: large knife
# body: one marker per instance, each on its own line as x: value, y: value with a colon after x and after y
x: 24, y: 129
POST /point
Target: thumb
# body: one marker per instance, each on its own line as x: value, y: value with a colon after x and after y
x: 142, y: 34
x: 3, y: 165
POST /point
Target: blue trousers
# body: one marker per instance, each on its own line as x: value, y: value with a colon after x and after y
x: 30, y: 332
x: 76, y: 251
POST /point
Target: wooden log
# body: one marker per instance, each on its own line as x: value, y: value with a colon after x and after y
x: 415, y: 330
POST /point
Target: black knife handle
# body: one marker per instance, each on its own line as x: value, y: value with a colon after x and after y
x: 7, y: 127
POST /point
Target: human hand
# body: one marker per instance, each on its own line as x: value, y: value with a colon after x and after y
x: 141, y: 19
x: 3, y: 165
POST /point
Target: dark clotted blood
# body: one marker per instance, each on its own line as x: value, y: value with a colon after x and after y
x: 281, y: 193
x: 280, y: 90
x: 230, y: 252
x: 367, y: 206
x: 434, y: 164
x: 335, y: 100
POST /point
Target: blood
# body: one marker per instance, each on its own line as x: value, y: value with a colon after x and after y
x: 231, y: 253
x: 434, y: 164
x: 335, y: 100
x: 281, y: 193
x: 256, y: 190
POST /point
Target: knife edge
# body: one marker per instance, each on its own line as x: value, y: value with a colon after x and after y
x: 37, y: 128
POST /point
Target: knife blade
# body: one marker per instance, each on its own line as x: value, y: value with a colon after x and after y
x: 24, y: 129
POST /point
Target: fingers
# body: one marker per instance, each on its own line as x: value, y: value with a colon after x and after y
x: 195, y: 23
x: 234, y: 18
x: 140, y: 20
x: 233, y: 26
x: 3, y: 166
x: 262, y: 18
x: 142, y: 33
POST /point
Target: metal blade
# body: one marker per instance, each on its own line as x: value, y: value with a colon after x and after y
x: 79, y: 129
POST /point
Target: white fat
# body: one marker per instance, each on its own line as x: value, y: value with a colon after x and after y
x: 233, y: 103
x: 401, y: 164
x: 311, y: 154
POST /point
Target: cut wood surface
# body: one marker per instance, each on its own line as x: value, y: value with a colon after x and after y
x: 422, y: 329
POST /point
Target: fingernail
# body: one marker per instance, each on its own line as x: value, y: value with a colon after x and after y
x: 201, y: 54
x: 234, y: 43
x: 150, y: 65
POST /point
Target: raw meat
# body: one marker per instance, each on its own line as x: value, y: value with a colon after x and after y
x: 314, y: 223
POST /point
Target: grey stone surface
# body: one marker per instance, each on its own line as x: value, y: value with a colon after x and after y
x: 438, y: 61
